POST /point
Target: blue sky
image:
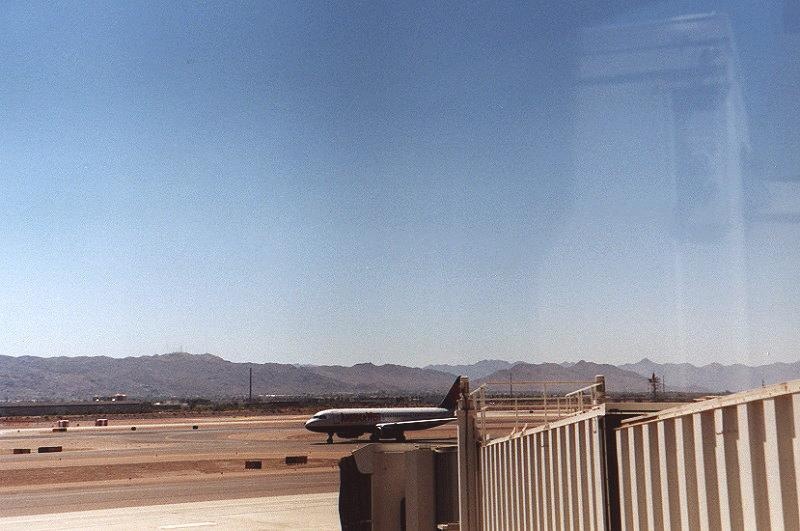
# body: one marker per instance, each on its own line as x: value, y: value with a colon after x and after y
x: 348, y: 182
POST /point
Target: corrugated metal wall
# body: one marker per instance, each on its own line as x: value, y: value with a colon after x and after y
x: 727, y: 463
x: 550, y: 477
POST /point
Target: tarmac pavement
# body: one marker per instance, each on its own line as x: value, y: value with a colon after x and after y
x: 317, y: 512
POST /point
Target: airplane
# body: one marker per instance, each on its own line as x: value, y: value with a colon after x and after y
x: 384, y: 423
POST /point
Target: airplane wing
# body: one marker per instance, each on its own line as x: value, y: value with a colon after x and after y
x: 413, y: 424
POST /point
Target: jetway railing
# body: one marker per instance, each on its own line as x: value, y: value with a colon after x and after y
x: 550, y: 477
x: 731, y: 462
x: 727, y: 463
x: 530, y: 403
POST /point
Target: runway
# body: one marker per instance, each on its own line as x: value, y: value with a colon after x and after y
x: 168, y: 462
x: 306, y: 512
x: 106, y: 495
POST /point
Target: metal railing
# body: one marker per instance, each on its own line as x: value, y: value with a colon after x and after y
x: 546, y: 478
x: 534, y: 403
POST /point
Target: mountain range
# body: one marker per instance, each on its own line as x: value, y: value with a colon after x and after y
x: 715, y: 376
x: 186, y: 375
x: 204, y: 375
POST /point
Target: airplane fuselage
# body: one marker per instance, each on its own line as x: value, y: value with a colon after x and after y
x: 384, y: 422
x: 352, y: 422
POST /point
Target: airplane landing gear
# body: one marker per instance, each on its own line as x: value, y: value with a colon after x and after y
x: 401, y: 437
x: 330, y: 438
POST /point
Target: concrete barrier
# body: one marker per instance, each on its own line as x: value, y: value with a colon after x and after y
x: 296, y: 459
x: 49, y: 449
x: 252, y: 465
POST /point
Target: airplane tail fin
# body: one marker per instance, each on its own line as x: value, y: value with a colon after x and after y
x: 450, y: 401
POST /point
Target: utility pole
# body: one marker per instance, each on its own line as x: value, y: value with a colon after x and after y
x: 654, y: 383
x: 251, y: 385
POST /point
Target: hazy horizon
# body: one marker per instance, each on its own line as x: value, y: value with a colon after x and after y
x: 511, y: 361
x: 336, y: 183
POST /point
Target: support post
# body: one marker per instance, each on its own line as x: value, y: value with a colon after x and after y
x: 468, y: 468
x: 420, y: 489
x: 600, y: 390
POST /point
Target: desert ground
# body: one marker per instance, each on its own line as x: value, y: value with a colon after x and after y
x: 167, y: 461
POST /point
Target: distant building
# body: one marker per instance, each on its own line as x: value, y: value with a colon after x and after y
x: 119, y: 397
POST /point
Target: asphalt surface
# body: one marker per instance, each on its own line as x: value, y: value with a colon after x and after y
x: 319, y: 512
x: 168, y: 462
x: 38, y: 500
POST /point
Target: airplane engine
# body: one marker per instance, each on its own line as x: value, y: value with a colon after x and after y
x: 349, y: 434
x: 388, y: 433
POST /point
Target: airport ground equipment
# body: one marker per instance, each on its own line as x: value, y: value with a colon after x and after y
x: 49, y: 449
